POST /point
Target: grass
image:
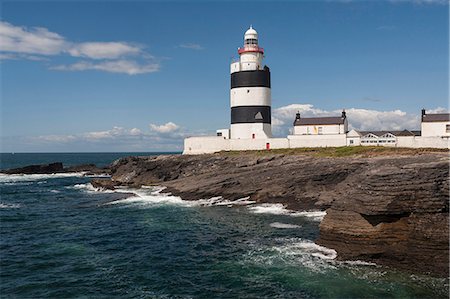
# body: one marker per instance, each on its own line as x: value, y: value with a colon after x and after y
x: 344, y: 151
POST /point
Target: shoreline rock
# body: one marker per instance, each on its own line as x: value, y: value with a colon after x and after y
x: 57, y: 167
x: 392, y: 209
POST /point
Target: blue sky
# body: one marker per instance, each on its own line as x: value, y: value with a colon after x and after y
x: 133, y: 76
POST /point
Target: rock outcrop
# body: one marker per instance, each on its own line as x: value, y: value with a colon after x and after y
x: 395, y: 214
x: 390, y: 209
x: 37, y: 169
x: 57, y: 167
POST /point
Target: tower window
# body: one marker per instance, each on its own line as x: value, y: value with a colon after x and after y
x: 248, y: 90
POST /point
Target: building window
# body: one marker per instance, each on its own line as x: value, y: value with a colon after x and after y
x: 351, y: 141
x: 219, y: 133
x: 319, y: 130
x: 253, y: 136
x: 447, y: 128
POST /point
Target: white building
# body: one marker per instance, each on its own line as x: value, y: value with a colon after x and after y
x: 250, y: 129
x: 320, y: 125
x: 435, y: 124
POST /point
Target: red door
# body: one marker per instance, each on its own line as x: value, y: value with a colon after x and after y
x: 267, y: 146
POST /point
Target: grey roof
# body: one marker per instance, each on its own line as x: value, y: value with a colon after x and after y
x: 438, y: 117
x: 395, y: 133
x: 319, y: 121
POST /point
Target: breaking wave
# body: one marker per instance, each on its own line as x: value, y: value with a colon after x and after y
x: 219, y: 201
x: 280, y: 209
x: 12, y: 178
x: 294, y: 252
x: 283, y: 225
x: 9, y: 206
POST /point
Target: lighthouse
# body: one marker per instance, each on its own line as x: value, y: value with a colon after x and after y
x: 250, y: 95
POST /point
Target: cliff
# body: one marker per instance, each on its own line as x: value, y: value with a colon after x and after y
x: 390, y: 208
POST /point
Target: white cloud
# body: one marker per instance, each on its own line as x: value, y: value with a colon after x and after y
x: 35, y: 40
x: 438, y: 110
x: 129, y: 67
x: 103, y: 50
x: 191, y: 46
x: 167, y: 137
x: 166, y: 128
x: 359, y: 119
x: 37, y: 43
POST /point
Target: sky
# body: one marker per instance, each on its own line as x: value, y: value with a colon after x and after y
x: 105, y: 76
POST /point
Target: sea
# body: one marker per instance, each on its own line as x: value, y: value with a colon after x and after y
x: 62, y: 238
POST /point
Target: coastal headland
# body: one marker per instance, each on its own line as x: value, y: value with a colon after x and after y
x: 384, y: 205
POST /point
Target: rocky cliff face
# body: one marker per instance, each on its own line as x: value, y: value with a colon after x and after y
x: 391, y: 209
x: 395, y: 213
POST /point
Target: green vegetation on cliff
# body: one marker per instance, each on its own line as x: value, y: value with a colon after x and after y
x: 344, y: 151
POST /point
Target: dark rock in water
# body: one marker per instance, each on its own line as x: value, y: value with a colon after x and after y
x: 391, y: 209
x: 103, y: 183
x: 37, y: 169
x: 90, y: 169
x: 57, y: 167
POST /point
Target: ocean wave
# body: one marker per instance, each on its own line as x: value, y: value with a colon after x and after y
x: 143, y: 199
x: 283, y: 225
x: 88, y: 188
x: 358, y: 263
x: 12, y: 178
x: 294, y: 251
x: 9, y: 205
x: 280, y: 209
x: 104, y: 175
x: 219, y: 201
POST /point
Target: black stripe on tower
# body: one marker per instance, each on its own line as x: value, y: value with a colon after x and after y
x: 250, y: 114
x: 258, y: 78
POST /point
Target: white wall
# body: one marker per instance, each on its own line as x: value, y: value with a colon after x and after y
x: 235, y: 67
x: 423, y: 142
x: 225, y: 133
x: 314, y: 129
x: 317, y: 140
x: 250, y: 96
x: 204, y: 145
x: 245, y: 131
x: 251, y: 61
x: 356, y: 141
x: 434, y: 129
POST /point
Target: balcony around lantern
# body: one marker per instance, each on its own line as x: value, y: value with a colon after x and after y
x: 248, y: 49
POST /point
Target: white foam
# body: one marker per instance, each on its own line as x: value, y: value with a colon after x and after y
x: 143, y: 200
x: 219, y: 201
x: 9, y: 178
x: 270, y: 208
x: 297, y: 252
x: 280, y: 209
x: 103, y: 175
x: 314, y: 215
x: 283, y: 225
x: 359, y: 263
x: 9, y: 206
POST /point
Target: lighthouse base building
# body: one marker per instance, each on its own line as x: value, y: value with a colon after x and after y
x: 251, y: 129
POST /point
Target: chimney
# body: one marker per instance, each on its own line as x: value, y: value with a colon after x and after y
x: 297, y: 117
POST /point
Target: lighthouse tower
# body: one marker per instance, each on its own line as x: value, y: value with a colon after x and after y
x: 250, y: 94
